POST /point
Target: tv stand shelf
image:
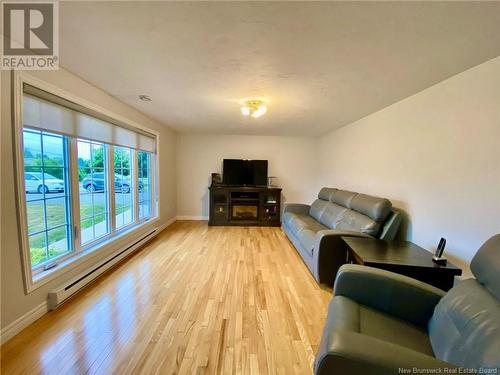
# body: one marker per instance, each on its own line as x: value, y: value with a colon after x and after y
x: 244, y: 206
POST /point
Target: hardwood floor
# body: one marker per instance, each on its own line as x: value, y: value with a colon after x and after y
x: 197, y: 299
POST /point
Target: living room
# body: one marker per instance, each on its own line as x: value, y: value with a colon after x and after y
x: 362, y: 138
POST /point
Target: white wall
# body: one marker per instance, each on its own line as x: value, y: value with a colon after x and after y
x: 436, y: 155
x: 14, y: 301
x: 291, y: 159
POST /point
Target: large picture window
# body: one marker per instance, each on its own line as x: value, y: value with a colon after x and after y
x: 86, y: 180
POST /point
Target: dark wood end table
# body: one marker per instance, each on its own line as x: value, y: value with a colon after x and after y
x: 402, y: 257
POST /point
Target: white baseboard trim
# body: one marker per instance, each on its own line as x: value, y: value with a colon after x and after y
x: 188, y: 217
x: 168, y: 223
x: 22, y: 322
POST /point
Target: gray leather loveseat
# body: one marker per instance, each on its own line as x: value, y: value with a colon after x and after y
x: 315, y: 230
x: 383, y: 323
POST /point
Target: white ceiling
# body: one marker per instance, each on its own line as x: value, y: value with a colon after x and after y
x: 320, y: 65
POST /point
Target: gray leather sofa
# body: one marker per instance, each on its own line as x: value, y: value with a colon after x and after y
x: 315, y: 230
x: 379, y: 322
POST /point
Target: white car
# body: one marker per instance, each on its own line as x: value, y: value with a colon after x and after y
x: 36, y: 182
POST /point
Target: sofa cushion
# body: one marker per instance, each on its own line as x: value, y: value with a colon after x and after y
x: 317, y: 208
x: 331, y: 215
x: 288, y: 218
x: 345, y: 314
x: 352, y: 220
x: 343, y: 197
x: 307, y: 238
x: 376, y: 208
x: 326, y: 193
x: 465, y: 327
x: 299, y: 222
x: 304, y: 254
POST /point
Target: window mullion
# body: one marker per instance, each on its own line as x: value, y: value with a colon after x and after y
x: 92, y: 177
x: 46, y: 234
x: 68, y: 191
x: 111, y: 188
x: 75, y: 194
x: 153, y: 187
x: 135, y: 179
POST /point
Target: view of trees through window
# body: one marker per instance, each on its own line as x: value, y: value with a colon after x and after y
x: 144, y: 189
x: 85, y: 180
x: 93, y: 176
x: 124, y: 214
x: 49, y: 197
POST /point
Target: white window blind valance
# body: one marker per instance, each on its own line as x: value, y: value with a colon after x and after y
x: 46, y: 111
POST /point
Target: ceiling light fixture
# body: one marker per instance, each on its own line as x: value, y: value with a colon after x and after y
x: 254, y: 108
x: 145, y: 98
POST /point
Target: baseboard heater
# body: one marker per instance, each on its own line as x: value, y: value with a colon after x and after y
x: 57, y: 297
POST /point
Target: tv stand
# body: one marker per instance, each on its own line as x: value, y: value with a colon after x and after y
x: 245, y: 205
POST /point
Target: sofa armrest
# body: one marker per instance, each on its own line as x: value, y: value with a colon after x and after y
x: 297, y: 208
x: 330, y: 252
x: 391, y: 226
x: 389, y: 292
x: 345, y: 353
x: 340, y: 233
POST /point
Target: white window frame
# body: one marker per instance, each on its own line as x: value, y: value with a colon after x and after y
x: 34, y: 279
x: 62, y: 257
x: 132, y: 191
x: 109, y: 198
x: 151, y: 187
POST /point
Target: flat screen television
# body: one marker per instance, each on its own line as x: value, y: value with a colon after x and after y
x: 244, y: 172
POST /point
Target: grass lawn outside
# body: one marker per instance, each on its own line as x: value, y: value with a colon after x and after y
x: 56, y: 215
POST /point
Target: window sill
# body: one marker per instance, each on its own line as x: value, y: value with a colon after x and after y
x: 100, y: 250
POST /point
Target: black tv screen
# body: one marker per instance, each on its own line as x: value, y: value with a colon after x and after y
x: 244, y: 172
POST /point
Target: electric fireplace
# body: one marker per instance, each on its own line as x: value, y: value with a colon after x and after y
x: 245, y: 211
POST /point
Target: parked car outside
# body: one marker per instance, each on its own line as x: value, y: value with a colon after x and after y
x: 37, y: 182
x: 96, y: 182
